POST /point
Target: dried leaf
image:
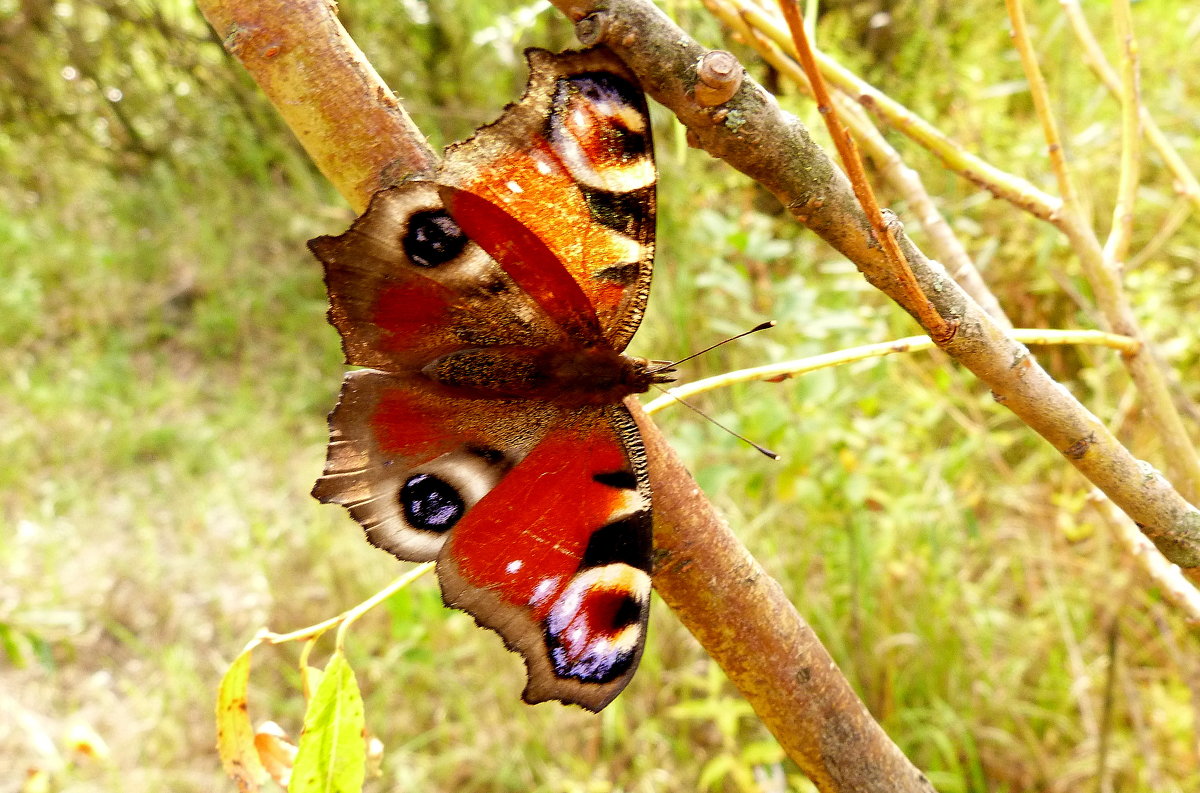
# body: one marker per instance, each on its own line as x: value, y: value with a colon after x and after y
x: 235, y: 733
x: 276, y: 750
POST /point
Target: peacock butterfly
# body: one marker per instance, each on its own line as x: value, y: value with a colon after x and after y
x: 489, y: 307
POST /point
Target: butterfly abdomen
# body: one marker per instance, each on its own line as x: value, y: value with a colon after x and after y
x: 564, y: 375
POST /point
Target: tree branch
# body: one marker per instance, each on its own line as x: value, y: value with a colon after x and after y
x: 754, y: 135
x: 904, y: 180
x: 346, y: 118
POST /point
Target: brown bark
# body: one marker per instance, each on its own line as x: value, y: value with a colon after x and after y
x: 346, y: 118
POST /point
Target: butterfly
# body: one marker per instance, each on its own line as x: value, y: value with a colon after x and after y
x: 489, y: 307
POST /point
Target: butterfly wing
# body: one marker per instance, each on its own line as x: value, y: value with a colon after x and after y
x: 408, y: 459
x: 538, y: 516
x: 407, y: 285
x: 573, y: 163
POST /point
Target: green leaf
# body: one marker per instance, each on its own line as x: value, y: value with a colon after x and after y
x: 332, y: 754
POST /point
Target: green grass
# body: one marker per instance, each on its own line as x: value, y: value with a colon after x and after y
x: 166, y: 372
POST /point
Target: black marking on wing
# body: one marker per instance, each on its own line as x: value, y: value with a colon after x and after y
x: 625, y: 480
x: 430, y: 503
x: 628, y: 613
x: 620, y: 274
x: 630, y: 213
x: 624, y: 541
x: 432, y: 238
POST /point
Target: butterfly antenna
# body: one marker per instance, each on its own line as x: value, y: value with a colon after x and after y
x: 672, y: 364
x: 700, y: 412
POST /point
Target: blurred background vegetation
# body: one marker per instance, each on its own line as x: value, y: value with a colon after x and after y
x: 167, y: 371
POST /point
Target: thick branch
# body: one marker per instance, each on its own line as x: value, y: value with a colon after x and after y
x: 346, y: 118
x: 747, y: 624
x: 754, y: 135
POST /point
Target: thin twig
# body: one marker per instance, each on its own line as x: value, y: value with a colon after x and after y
x: 903, y: 179
x: 1041, y: 103
x: 1188, y: 185
x: 799, y: 366
x: 1170, y: 581
x: 1002, y: 184
x: 913, y: 298
x: 1105, y: 279
x: 1116, y: 247
x: 346, y: 618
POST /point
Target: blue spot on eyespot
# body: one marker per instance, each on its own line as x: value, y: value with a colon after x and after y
x: 430, y: 503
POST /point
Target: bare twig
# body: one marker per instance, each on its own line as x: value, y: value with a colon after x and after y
x: 1145, y: 368
x: 1167, y: 577
x: 346, y: 618
x: 913, y: 299
x: 1116, y: 247
x: 799, y: 366
x: 754, y: 135
x: 903, y: 179
x: 1188, y: 185
x: 998, y: 182
x: 1041, y: 103
x: 1105, y: 279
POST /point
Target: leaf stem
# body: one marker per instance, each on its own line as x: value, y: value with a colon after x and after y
x: 812, y: 363
x: 346, y: 618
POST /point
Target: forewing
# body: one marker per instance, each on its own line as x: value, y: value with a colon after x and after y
x: 407, y: 285
x: 572, y: 162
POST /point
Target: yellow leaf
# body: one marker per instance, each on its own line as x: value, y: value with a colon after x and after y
x: 235, y: 733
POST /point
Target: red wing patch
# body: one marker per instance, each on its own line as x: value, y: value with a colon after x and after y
x: 569, y: 588
x: 528, y: 261
x: 406, y: 285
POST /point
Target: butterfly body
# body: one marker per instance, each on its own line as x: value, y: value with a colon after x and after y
x: 491, y: 307
x: 567, y: 376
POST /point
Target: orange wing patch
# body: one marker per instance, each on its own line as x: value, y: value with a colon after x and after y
x: 584, y: 187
